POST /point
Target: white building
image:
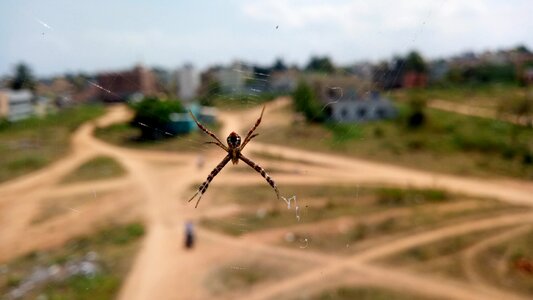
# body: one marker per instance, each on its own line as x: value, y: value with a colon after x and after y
x: 347, y: 99
x: 374, y: 107
x: 233, y: 79
x: 16, y: 105
x: 188, y: 82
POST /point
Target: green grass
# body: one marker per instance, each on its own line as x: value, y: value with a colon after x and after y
x: 84, y: 288
x: 487, y: 95
x: 116, y: 247
x: 399, y: 197
x: 101, y: 167
x: 30, y: 144
x: 448, y: 142
x: 236, y: 102
x: 126, y: 136
x: 362, y: 293
x: 269, y: 156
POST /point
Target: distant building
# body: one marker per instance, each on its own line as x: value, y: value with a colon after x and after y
x: 438, y: 70
x: 348, y: 99
x: 59, y: 89
x: 16, y: 104
x: 363, y: 70
x: 188, y: 82
x: 120, y: 86
x: 372, y: 107
x: 413, y: 79
x: 283, y: 81
x: 233, y: 79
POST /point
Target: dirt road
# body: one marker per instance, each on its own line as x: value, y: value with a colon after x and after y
x: 164, y: 270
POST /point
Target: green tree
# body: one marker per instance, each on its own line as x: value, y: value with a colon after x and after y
x: 416, y: 116
x: 522, y: 49
x: 320, y: 64
x: 23, y: 78
x: 209, y: 92
x: 306, y: 102
x: 521, y: 107
x: 279, y: 65
x: 415, y: 62
x: 152, y: 116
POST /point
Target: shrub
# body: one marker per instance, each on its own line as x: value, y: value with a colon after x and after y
x: 416, y: 116
x: 306, y: 102
x: 152, y: 116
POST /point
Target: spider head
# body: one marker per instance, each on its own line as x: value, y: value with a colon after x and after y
x: 234, y: 140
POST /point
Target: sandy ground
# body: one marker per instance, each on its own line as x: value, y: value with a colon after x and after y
x: 164, y: 270
x: 482, y: 112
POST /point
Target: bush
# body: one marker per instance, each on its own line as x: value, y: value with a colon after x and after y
x: 416, y: 117
x: 152, y: 116
x: 4, y: 123
x: 306, y: 102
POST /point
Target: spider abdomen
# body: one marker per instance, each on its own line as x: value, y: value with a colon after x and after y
x: 234, y: 154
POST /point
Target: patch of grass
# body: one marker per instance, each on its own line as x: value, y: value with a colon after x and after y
x: 363, y: 293
x: 445, y: 247
x: 126, y: 136
x: 252, y: 195
x: 31, y: 144
x: 486, y: 95
x: 244, y: 101
x: 403, y: 197
x: 448, y: 142
x: 246, y: 273
x: 84, y: 288
x: 242, y: 276
x: 498, y: 264
x: 275, y: 157
x: 101, y: 167
x: 318, y: 203
x: 249, y: 222
x: 115, y: 246
x: 363, y: 232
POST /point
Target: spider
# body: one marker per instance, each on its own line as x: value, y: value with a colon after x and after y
x: 234, y: 150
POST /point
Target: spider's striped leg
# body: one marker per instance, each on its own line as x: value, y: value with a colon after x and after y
x: 208, y: 132
x: 260, y: 171
x: 249, y: 136
x: 218, y: 144
x: 203, y: 187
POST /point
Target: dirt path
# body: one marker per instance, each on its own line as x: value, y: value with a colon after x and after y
x: 164, y: 270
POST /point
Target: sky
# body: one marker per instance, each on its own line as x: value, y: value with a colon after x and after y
x: 60, y: 36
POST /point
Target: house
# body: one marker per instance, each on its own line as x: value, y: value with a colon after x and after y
x: 414, y: 79
x: 233, y: 79
x: 120, y: 86
x: 438, y: 70
x: 16, y: 104
x: 362, y: 109
x: 188, y: 82
x: 349, y: 99
x: 181, y: 123
x: 284, y: 81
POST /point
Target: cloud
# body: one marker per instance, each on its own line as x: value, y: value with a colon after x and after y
x: 435, y: 27
x: 167, y: 33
